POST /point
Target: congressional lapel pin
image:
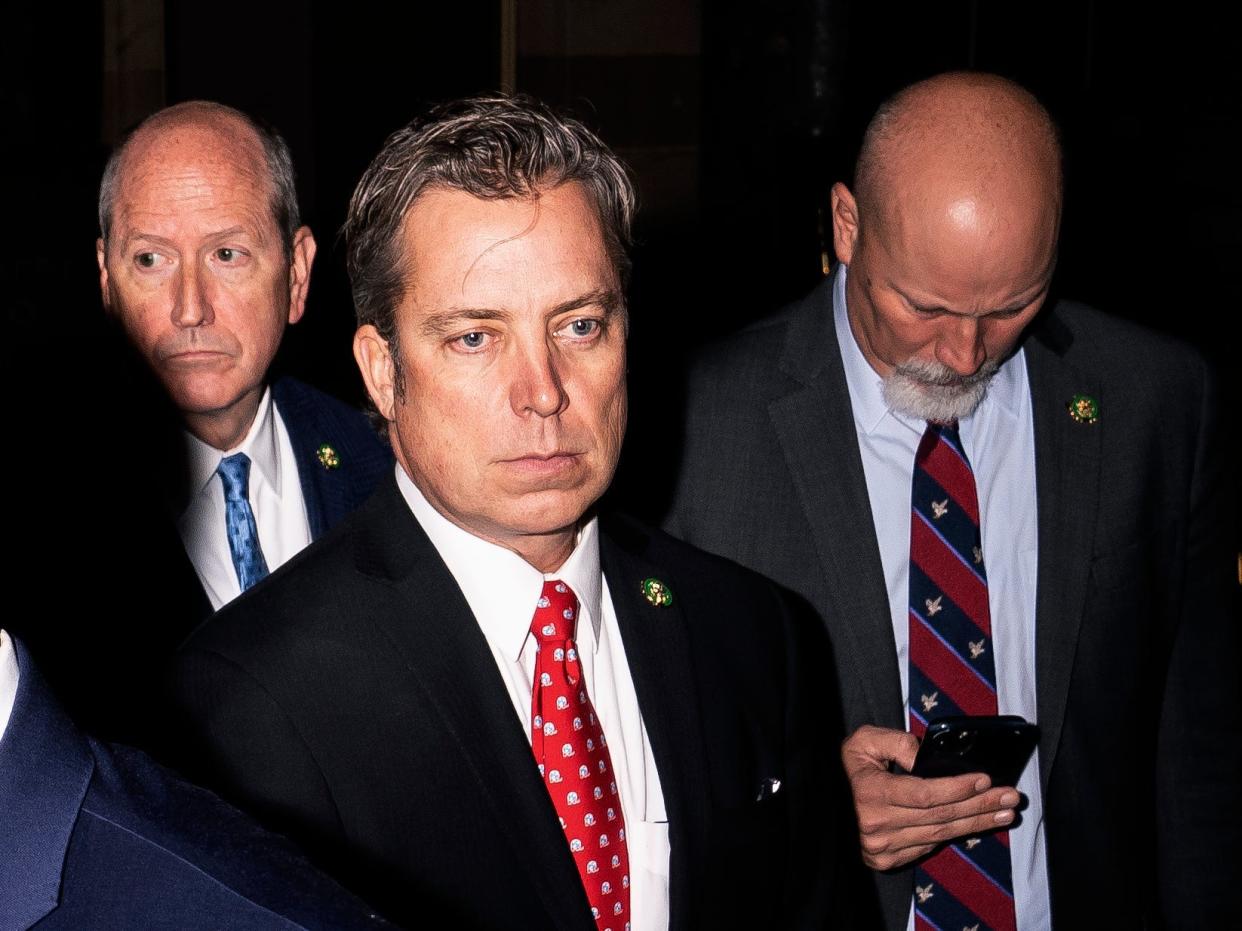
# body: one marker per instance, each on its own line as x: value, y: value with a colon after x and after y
x: 1083, y: 408
x: 657, y: 593
x: 327, y: 457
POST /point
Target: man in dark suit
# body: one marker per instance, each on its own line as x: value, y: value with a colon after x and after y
x: 1110, y: 623
x: 100, y: 837
x: 203, y: 261
x: 475, y: 687
x: 208, y: 477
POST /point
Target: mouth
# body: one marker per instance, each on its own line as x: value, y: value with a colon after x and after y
x: 543, y: 463
x: 195, y: 357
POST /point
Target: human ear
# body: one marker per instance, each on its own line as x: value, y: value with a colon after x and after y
x: 374, y: 358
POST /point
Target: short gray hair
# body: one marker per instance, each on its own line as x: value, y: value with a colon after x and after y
x: 490, y: 147
x: 278, y: 161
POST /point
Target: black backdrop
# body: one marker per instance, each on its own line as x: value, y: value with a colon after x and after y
x: 760, y: 105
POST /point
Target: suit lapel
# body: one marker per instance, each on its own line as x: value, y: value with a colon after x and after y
x: 1067, y: 477
x: 322, y: 489
x: 451, y: 664
x: 657, y: 648
x: 45, y: 771
x: 815, y: 426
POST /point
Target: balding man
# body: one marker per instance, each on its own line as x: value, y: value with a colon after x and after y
x: 993, y: 510
x: 203, y: 262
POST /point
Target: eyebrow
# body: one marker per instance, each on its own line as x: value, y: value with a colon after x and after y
x: 441, y: 324
x: 160, y: 240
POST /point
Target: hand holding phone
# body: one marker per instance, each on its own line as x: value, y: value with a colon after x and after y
x: 998, y: 745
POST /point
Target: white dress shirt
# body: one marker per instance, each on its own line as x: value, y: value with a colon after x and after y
x: 502, y: 589
x: 999, y: 439
x: 275, y: 493
x: 8, y: 682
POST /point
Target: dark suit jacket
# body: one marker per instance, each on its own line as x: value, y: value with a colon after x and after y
x: 93, y: 836
x: 353, y: 701
x: 1136, y: 647
x: 122, y: 550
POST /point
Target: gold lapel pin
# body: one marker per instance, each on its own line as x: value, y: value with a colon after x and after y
x: 1083, y: 408
x: 327, y: 457
x: 657, y: 593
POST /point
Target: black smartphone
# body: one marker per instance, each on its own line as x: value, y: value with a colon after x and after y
x: 998, y: 745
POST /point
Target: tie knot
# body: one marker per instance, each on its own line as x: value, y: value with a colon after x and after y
x: 235, y: 474
x: 556, y: 613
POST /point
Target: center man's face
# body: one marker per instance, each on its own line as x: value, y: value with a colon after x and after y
x: 512, y: 338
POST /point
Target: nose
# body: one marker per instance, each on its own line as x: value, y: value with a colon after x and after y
x: 960, y: 346
x: 537, y: 387
x: 191, y: 305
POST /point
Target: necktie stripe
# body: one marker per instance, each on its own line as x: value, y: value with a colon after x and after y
x: 971, y: 861
x: 929, y: 602
x: 941, y: 910
x: 991, y: 854
x: 963, y: 882
x: 943, y: 514
x: 941, y: 530
x: 959, y: 683
x: 947, y: 468
x: 949, y: 573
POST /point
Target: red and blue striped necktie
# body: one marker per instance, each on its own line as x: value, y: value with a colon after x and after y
x: 967, y: 884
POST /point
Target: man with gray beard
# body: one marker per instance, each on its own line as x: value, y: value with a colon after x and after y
x: 996, y: 507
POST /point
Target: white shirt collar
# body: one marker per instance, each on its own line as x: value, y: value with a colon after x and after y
x: 866, y: 387
x: 260, y: 444
x: 500, y: 586
x: 8, y: 681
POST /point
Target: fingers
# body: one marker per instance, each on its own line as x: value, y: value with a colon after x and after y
x: 875, y: 747
x: 886, y: 850
x: 913, y: 792
x: 902, y: 818
x: 984, y: 812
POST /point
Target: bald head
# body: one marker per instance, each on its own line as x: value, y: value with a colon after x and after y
x: 959, y: 144
x: 220, y: 133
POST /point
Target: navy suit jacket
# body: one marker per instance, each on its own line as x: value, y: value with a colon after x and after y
x: 117, y: 590
x: 93, y: 836
x: 315, y: 419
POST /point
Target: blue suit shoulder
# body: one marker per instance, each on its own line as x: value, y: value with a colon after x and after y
x: 149, y: 849
x: 101, y: 836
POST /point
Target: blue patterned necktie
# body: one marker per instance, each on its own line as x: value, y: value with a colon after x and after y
x: 967, y: 884
x: 239, y: 521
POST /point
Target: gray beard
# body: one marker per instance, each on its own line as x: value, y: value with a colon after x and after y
x: 932, y: 391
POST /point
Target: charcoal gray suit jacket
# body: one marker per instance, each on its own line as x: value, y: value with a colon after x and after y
x: 1136, y: 625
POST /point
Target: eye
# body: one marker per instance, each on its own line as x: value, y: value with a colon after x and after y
x: 226, y: 254
x: 146, y: 259
x: 472, y: 340
x: 582, y: 327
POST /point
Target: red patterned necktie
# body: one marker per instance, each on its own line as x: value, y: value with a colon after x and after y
x: 967, y: 884
x: 569, y: 747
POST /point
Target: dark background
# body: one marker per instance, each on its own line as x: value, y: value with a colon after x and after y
x: 736, y: 117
